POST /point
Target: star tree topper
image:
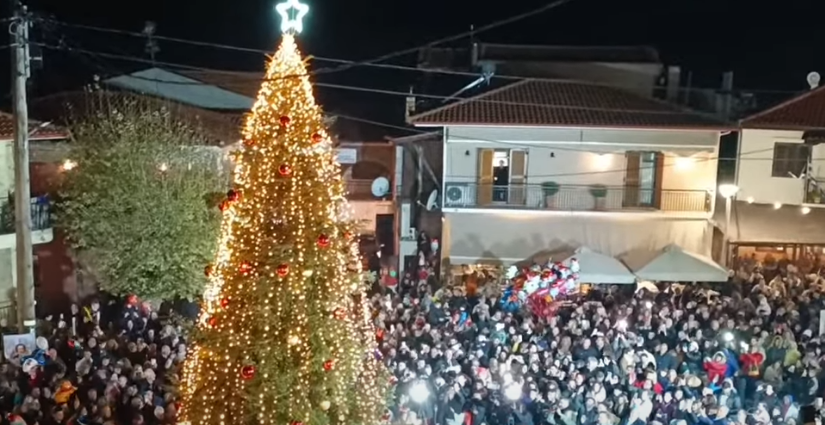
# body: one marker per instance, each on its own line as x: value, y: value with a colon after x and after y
x: 292, y: 16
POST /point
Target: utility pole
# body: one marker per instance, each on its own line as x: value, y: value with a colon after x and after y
x: 22, y: 190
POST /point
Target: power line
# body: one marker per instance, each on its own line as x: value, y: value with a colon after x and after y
x: 352, y: 63
x: 375, y: 60
x: 238, y: 74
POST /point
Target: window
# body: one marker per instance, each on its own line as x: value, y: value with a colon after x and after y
x: 790, y: 159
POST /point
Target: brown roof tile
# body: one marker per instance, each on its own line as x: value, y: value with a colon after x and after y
x: 566, y: 103
x: 804, y: 112
x: 36, y: 132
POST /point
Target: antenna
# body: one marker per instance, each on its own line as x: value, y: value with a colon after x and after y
x: 813, y: 79
x: 151, y: 45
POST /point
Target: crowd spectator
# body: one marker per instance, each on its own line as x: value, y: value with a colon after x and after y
x: 746, y: 352
x: 106, y: 367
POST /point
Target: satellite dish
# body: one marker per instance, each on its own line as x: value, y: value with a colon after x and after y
x: 432, y: 200
x: 380, y: 187
x: 813, y: 79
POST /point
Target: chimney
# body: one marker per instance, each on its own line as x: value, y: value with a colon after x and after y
x: 410, y: 107
x: 673, y: 80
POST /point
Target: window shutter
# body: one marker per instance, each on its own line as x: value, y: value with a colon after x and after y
x: 518, y: 177
x: 484, y: 187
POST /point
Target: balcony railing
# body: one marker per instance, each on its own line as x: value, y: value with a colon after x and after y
x: 574, y: 198
x: 361, y: 190
x: 40, y: 209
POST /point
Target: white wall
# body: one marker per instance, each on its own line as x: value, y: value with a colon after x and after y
x: 755, y: 163
x: 673, y: 140
x: 566, y: 164
x: 6, y: 168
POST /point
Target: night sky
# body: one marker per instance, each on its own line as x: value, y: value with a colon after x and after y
x: 769, y: 48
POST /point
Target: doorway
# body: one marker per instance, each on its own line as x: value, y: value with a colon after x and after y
x: 643, y: 179
x: 385, y: 234
x: 501, y: 176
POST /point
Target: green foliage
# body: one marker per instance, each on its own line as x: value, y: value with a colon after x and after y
x: 550, y: 188
x: 598, y: 190
x: 136, y: 204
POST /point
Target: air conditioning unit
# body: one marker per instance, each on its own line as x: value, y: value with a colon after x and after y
x: 457, y: 195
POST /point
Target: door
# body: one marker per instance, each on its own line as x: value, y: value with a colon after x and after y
x: 518, y: 177
x: 632, y: 179
x: 484, y: 186
x: 658, y: 171
x: 385, y: 234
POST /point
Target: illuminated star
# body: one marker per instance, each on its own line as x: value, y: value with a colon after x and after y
x: 292, y: 15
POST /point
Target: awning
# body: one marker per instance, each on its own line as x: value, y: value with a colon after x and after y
x: 595, y: 267
x: 673, y: 264
x: 762, y: 223
x: 600, y: 268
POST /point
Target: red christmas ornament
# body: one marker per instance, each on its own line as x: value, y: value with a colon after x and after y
x: 225, y: 303
x: 296, y: 423
x: 284, y: 120
x: 245, y: 268
x: 248, y: 372
x: 329, y: 364
x: 339, y: 313
x: 213, y: 322
x: 323, y: 241
x: 379, y: 334
x: 283, y: 270
x: 224, y: 205
x: 285, y: 169
x: 233, y: 195
x: 317, y: 138
x: 208, y: 270
x: 347, y: 235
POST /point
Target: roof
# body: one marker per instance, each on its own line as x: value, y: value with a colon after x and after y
x: 560, y: 103
x: 218, y: 127
x: 37, y: 130
x: 804, y: 112
x: 180, y: 88
x: 244, y: 83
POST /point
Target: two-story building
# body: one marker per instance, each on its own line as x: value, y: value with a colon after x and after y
x: 40, y: 212
x: 780, y: 171
x: 540, y: 165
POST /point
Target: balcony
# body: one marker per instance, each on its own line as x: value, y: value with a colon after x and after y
x: 574, y: 198
x: 361, y: 190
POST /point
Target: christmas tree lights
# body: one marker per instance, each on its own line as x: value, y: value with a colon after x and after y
x: 285, y: 335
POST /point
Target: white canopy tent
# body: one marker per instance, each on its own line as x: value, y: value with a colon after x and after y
x: 595, y: 267
x: 673, y: 264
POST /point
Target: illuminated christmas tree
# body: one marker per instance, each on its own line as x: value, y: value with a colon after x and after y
x: 285, y: 335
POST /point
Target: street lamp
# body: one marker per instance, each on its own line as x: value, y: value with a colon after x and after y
x: 728, y: 191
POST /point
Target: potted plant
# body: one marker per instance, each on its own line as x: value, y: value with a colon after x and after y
x: 550, y: 189
x: 599, y: 192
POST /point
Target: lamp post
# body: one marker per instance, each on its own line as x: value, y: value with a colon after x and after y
x: 728, y: 191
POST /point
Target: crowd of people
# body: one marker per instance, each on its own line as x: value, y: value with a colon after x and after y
x: 749, y: 352
x: 109, y: 365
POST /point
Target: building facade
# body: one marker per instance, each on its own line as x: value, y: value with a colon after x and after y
x: 780, y: 172
x: 541, y: 165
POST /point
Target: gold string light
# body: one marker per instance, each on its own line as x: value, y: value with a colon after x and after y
x: 285, y: 335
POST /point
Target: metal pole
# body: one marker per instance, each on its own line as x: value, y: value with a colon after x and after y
x: 726, y: 252
x: 22, y: 194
